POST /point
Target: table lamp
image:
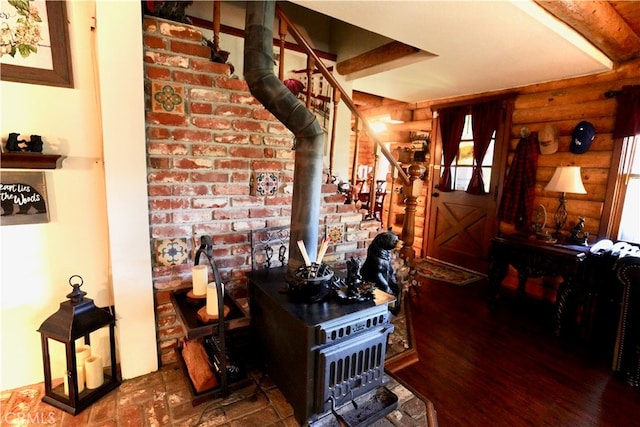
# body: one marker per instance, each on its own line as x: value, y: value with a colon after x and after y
x: 566, y: 179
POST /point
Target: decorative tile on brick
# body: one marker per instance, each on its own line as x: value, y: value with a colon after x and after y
x: 171, y: 251
x: 167, y: 98
x: 335, y: 233
x: 265, y: 184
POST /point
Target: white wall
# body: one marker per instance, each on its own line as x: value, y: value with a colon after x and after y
x: 96, y: 230
x: 121, y: 71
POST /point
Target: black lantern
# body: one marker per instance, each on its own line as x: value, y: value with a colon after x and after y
x: 88, y: 375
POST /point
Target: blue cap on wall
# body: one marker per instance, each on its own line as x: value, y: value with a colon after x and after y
x: 582, y: 137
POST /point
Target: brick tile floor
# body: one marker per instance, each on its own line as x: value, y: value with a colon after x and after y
x: 162, y: 398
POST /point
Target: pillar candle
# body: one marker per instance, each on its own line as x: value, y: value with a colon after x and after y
x: 212, y: 299
x: 80, y: 372
x: 94, y: 373
x: 83, y: 352
x: 200, y: 278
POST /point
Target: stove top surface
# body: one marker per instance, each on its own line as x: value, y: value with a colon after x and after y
x: 272, y: 282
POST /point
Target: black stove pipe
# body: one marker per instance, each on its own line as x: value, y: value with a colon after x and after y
x: 309, y: 139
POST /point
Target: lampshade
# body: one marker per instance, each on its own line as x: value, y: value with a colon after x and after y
x: 566, y: 179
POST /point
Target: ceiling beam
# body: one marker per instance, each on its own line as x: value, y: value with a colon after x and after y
x: 384, y: 54
x: 599, y: 23
x: 362, y: 99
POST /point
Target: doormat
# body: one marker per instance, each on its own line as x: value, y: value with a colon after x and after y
x: 445, y: 272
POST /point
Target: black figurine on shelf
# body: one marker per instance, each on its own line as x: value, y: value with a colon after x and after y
x: 12, y: 142
x: 34, y: 145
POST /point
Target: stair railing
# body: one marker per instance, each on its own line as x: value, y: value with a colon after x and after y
x: 344, y: 96
x: 411, y: 183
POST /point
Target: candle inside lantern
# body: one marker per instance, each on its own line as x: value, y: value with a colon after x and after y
x: 80, y: 372
x: 83, y: 352
x: 212, y: 299
x: 94, y: 373
x: 200, y: 278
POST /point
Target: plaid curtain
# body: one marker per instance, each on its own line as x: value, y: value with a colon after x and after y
x: 518, y: 195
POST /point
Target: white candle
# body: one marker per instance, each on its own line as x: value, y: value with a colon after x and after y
x: 80, y: 372
x: 212, y: 299
x: 94, y: 373
x: 200, y: 278
x: 83, y: 352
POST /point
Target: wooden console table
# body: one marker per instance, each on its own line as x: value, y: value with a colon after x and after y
x: 536, y: 258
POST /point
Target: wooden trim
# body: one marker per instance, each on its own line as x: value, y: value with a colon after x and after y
x: 20, y: 160
x: 410, y: 356
x: 616, y: 190
x: 480, y: 99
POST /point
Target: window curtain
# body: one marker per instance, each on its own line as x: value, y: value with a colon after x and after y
x: 484, y: 121
x: 518, y: 196
x: 628, y: 113
x: 451, y: 122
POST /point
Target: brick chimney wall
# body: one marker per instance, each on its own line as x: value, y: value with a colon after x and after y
x: 206, y: 138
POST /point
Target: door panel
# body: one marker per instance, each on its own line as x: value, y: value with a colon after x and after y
x: 460, y: 225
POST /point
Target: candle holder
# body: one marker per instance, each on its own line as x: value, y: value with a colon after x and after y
x: 76, y: 331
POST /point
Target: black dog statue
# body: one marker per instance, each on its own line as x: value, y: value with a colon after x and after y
x: 377, y: 267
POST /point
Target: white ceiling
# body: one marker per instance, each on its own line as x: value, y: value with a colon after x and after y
x: 479, y: 46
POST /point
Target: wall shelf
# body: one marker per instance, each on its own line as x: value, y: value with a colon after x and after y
x: 27, y: 160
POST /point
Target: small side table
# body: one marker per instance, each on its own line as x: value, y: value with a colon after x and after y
x: 236, y: 323
x: 537, y: 258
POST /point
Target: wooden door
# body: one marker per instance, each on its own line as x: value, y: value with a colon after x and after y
x: 460, y: 225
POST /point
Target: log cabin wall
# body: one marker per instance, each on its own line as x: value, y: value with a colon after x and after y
x: 207, y: 140
x: 562, y: 103
x: 399, y: 135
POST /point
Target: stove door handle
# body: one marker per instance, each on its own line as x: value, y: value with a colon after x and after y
x: 341, y: 421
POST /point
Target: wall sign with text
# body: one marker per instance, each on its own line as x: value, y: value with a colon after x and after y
x: 23, y: 198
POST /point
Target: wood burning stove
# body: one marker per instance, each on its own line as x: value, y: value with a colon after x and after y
x: 323, y: 356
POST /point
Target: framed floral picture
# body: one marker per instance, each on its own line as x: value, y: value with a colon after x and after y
x: 34, y: 42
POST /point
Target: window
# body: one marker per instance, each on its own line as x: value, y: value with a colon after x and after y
x: 462, y: 166
x: 629, y: 227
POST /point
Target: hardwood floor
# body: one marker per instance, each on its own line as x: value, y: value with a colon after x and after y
x: 505, y: 368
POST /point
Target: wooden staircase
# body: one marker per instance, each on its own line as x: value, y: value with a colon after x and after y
x: 409, y: 179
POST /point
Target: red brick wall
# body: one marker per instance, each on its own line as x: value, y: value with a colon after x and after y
x: 206, y: 137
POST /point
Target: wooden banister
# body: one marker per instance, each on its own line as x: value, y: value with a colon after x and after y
x: 299, y: 38
x: 412, y: 185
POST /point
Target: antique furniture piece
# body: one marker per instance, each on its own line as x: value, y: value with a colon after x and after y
x: 325, y: 357
x: 74, y: 325
x: 236, y: 325
x: 206, y: 336
x: 537, y: 258
x: 626, y: 358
